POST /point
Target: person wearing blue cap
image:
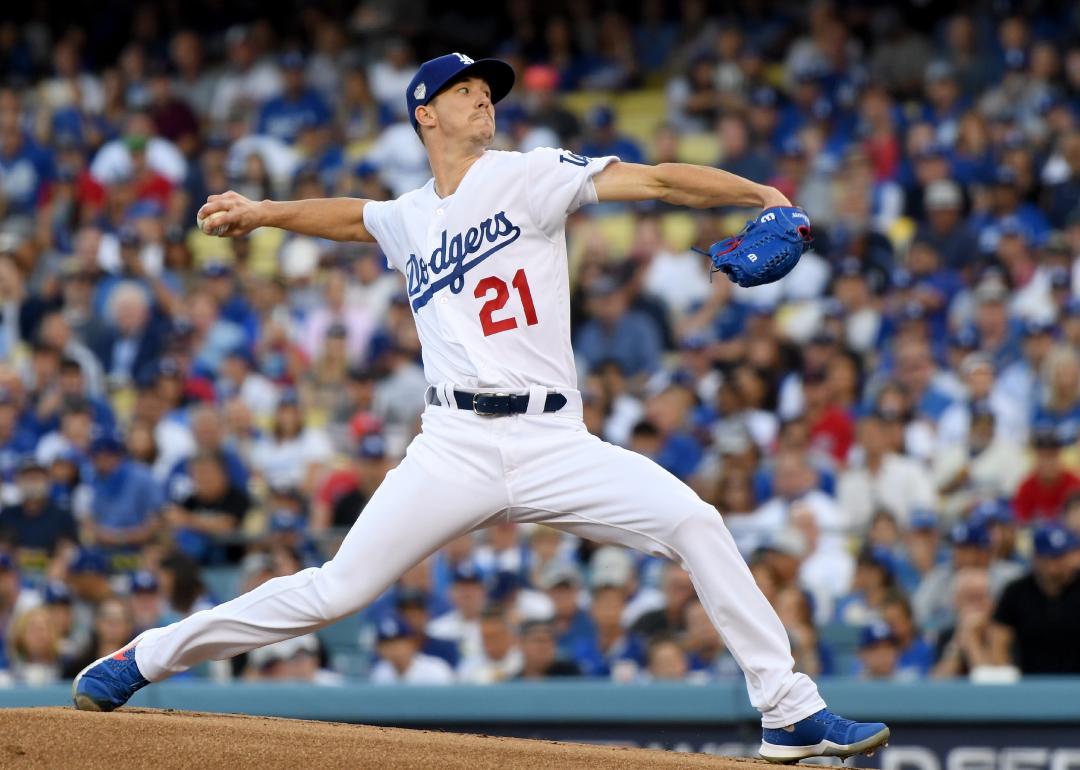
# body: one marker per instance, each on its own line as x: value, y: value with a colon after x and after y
x: 126, y: 498
x: 1036, y: 624
x: 1009, y: 214
x: 879, y: 651
x: 298, y: 108
x: 468, y: 596
x: 401, y: 661
x: 1021, y: 380
x: 238, y: 376
x: 1042, y: 493
x: 986, y: 463
x: 42, y: 530
x: 147, y: 602
x: 604, y: 138
x: 971, y: 548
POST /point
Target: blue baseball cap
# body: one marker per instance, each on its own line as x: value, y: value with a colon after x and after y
x: 991, y: 512
x: 466, y: 572
x: 371, y: 447
x: 109, y: 443
x: 924, y: 518
x: 436, y: 74
x: 284, y: 520
x: 875, y: 633
x: 879, y: 556
x: 89, y: 560
x: 393, y: 627
x: 143, y: 582
x: 970, y: 533
x: 57, y: 592
x: 1053, y: 540
x: 6, y: 564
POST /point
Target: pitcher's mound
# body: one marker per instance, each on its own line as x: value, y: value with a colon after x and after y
x: 144, y: 738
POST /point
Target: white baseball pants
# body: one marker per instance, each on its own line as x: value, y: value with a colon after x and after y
x: 465, y: 471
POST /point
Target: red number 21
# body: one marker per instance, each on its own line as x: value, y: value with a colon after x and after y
x: 502, y: 295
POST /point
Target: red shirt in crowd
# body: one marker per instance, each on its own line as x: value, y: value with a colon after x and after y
x: 833, y: 432
x: 1037, y: 500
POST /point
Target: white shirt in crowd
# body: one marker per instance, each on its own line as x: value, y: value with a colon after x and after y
x: 901, y: 485
x: 423, y: 669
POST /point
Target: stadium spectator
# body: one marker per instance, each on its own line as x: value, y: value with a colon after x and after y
x: 965, y: 646
x: 875, y: 578
x: 113, y: 628
x: 34, y: 643
x: 292, y: 453
x: 295, y: 660
x: 667, y: 661
x: 147, y: 604
x: 617, y: 332
x: 42, y: 532
x: 214, y: 510
x: 709, y: 660
x: 500, y: 659
x: 539, y: 653
x: 461, y: 624
x: 401, y: 659
x: 970, y: 541
x: 879, y: 652
x: 1035, y: 623
x: 677, y: 591
x: 1041, y: 495
x: 916, y: 655
x: 296, y: 109
x: 897, y: 483
x: 126, y: 499
x: 987, y: 464
x: 412, y: 605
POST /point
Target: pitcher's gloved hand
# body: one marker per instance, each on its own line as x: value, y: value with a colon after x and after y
x: 766, y: 249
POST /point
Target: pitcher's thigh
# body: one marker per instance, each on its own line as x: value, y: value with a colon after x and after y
x: 610, y: 494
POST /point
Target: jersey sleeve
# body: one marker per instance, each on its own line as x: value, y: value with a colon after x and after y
x: 379, y: 220
x: 558, y: 183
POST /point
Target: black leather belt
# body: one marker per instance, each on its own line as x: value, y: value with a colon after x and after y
x: 498, y: 404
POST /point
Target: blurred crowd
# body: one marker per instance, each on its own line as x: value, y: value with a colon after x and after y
x: 891, y: 433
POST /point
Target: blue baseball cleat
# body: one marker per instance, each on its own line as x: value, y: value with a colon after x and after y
x: 823, y: 734
x: 108, y: 682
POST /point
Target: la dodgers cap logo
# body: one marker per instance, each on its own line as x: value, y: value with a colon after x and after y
x: 435, y: 74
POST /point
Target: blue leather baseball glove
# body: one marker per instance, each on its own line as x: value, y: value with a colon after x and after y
x: 766, y: 249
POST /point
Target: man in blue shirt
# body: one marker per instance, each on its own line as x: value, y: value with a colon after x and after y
x: 126, y: 498
x: 298, y: 107
x: 603, y: 139
x: 15, y: 440
x: 616, y: 332
x: 24, y: 168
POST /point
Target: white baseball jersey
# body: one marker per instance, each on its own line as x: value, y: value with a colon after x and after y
x: 486, y: 269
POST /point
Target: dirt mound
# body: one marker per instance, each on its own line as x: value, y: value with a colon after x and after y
x: 144, y: 738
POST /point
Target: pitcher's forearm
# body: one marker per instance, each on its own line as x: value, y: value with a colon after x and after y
x: 337, y: 219
x: 702, y: 187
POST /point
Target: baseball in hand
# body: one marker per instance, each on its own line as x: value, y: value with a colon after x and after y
x: 207, y: 224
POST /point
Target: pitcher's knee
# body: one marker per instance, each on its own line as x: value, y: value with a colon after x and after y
x: 699, y: 522
x: 336, y: 595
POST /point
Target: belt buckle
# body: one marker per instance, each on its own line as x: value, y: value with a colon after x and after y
x: 487, y: 414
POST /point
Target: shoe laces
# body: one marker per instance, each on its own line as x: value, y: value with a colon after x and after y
x: 834, y: 721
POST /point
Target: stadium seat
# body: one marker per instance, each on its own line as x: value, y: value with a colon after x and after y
x: 679, y: 230
x: 222, y: 582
